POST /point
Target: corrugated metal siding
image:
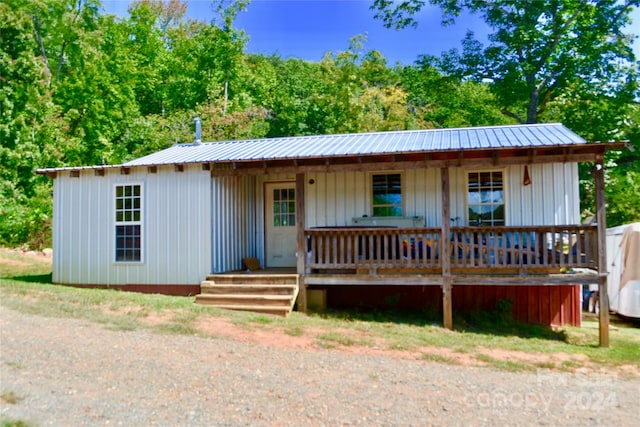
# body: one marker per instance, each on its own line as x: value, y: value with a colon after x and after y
x: 322, y: 146
x: 334, y: 199
x: 176, y: 228
x: 234, y: 222
x: 195, y: 224
x: 551, y: 198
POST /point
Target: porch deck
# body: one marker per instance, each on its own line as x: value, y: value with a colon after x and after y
x: 476, y: 255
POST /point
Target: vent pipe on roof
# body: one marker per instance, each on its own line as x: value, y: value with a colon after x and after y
x: 198, y: 139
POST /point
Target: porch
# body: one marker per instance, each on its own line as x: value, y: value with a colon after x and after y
x: 472, y: 255
x: 433, y: 178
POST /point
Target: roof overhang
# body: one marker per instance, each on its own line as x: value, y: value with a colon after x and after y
x: 572, y: 153
x: 482, y: 157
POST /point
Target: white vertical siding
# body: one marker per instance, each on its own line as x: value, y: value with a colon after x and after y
x: 551, y: 198
x: 194, y: 224
x: 233, y: 222
x: 335, y: 199
x: 176, y: 228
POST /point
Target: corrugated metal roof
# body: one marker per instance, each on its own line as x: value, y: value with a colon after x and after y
x: 300, y: 147
x: 357, y: 144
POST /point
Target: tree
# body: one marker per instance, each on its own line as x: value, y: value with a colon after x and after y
x: 539, y: 49
x: 443, y: 101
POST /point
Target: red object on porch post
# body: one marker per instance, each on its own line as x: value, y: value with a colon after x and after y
x: 527, y: 179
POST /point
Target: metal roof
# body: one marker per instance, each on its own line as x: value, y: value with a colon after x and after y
x: 364, y: 144
x: 510, y: 137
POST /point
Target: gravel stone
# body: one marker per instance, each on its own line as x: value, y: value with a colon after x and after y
x: 70, y: 372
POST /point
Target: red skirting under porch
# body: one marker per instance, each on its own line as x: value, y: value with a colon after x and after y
x: 545, y: 305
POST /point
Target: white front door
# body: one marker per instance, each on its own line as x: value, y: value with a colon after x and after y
x: 280, y: 224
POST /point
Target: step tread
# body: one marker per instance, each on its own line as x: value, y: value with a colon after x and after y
x: 249, y: 285
x: 255, y: 308
x: 245, y: 296
x: 275, y: 275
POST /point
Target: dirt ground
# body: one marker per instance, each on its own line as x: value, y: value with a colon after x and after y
x: 65, y: 372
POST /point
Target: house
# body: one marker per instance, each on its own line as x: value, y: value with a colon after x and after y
x: 454, y: 218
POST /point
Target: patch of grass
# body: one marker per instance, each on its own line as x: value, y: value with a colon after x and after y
x: 261, y: 319
x: 569, y: 365
x: 545, y: 365
x: 334, y: 337
x: 437, y: 358
x: 15, y: 263
x: 10, y: 397
x: 294, y: 332
x: 14, y: 423
x: 123, y: 323
x: 176, y: 328
x: 387, y: 329
x: 401, y: 345
x: 14, y: 365
x: 504, y: 365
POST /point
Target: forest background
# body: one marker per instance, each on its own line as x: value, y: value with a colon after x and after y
x: 81, y: 87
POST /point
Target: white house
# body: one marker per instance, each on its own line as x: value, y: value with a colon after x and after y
x: 471, y: 209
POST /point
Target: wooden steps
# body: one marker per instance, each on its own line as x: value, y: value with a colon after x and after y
x: 260, y: 293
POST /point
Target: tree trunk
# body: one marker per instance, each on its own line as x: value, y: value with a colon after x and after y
x: 532, y: 111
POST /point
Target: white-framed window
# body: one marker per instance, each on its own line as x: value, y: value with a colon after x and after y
x: 386, y: 189
x: 485, y: 197
x: 128, y: 223
x: 284, y: 207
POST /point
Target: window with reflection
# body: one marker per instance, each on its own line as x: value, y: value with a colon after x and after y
x: 486, y: 198
x: 387, y: 194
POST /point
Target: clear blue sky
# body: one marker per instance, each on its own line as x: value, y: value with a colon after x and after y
x: 307, y: 29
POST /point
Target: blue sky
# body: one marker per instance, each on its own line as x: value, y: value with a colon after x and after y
x: 307, y: 29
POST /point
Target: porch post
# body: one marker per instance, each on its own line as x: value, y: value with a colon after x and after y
x: 301, y: 243
x: 445, y: 256
x: 601, y: 219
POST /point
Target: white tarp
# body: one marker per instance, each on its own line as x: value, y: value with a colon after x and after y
x: 623, y: 255
x: 630, y: 247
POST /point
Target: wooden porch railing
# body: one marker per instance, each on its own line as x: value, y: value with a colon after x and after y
x: 481, y: 249
x: 352, y: 248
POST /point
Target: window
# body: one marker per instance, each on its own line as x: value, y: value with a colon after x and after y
x: 284, y: 207
x: 486, y: 198
x: 387, y: 195
x: 128, y: 223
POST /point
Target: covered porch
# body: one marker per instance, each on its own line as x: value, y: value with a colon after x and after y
x: 448, y: 256
x: 532, y: 250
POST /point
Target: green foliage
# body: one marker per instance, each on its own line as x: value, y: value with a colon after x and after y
x: 539, y: 50
x: 78, y: 87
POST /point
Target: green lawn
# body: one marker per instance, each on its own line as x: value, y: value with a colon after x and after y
x: 485, y: 339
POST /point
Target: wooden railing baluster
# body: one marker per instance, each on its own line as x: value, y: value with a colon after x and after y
x: 489, y: 249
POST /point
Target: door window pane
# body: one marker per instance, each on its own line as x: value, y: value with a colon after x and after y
x: 284, y: 207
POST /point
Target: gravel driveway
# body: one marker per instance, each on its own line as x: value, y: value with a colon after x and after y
x: 68, y: 372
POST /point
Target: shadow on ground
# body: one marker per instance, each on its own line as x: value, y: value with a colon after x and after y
x: 34, y: 278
